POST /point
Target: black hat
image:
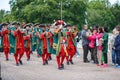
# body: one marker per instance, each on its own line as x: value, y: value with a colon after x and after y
x: 15, y: 22
x: 36, y: 24
x: 67, y: 25
x: 27, y: 25
x: 31, y: 24
x: 4, y: 24
x: 42, y: 25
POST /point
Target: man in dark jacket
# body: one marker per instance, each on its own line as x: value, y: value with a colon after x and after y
x: 85, y: 43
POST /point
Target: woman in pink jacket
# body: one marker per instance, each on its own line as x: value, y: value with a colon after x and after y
x: 92, y: 45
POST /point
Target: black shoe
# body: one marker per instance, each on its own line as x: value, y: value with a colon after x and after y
x: 0, y: 78
x: 7, y: 59
x: 68, y: 63
x: 17, y: 64
x: 62, y: 66
x: 71, y: 61
x: 28, y: 58
x: 95, y: 62
x: 20, y: 61
x: 46, y: 62
x: 87, y: 61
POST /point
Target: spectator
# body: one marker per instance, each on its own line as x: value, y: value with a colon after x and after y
x: 99, y: 45
x: 85, y: 43
x: 92, y: 45
x: 105, y: 47
x: 112, y: 40
x: 117, y: 48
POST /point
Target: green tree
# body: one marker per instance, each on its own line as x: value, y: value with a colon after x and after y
x: 99, y: 13
x: 46, y: 11
x: 2, y: 13
x: 115, y: 9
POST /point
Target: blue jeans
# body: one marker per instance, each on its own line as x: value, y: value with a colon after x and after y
x: 118, y: 57
x: 78, y: 51
x: 113, y: 56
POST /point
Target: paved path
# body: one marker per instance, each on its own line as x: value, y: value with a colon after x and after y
x: 34, y: 70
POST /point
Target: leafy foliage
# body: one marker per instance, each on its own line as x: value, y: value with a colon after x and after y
x: 74, y: 12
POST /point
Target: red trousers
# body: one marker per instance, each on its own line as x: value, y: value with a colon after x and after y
x: 27, y: 50
x: 45, y: 55
x: 6, y: 52
x: 18, y: 55
x: 60, y: 58
x: 71, y: 52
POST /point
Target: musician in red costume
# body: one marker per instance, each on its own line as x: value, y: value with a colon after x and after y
x: 49, y: 42
x: 62, y: 53
x: 6, y: 43
x: 44, y: 51
x: 71, y: 45
x: 18, y: 34
x: 27, y: 38
x: 59, y: 45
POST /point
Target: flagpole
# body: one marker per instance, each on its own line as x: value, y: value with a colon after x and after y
x: 61, y: 10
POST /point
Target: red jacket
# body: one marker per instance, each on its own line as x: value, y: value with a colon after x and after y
x: 44, y: 40
x: 5, y: 35
x: 19, y: 39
